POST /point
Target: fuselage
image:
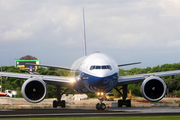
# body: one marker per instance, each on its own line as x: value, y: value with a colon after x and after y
x: 95, y: 73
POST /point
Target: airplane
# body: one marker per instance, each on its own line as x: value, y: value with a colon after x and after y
x: 95, y: 73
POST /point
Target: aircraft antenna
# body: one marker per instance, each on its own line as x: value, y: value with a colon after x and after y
x: 84, y: 35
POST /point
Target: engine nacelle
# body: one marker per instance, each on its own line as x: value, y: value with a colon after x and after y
x: 34, y: 90
x: 153, y: 88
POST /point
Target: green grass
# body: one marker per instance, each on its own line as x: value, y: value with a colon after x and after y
x: 104, y: 118
x: 176, y: 101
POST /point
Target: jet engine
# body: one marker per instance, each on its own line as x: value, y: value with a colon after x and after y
x: 153, y: 88
x: 34, y: 90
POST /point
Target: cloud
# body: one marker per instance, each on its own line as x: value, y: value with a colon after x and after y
x: 16, y: 35
x: 175, y: 43
x: 133, y: 27
x: 170, y: 7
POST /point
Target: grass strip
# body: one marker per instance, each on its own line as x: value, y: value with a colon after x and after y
x: 104, y: 118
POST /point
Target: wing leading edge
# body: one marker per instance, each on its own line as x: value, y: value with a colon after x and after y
x: 59, y: 67
x: 123, y: 80
x: 53, y: 80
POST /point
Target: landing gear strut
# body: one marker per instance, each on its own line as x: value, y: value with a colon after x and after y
x: 124, y: 96
x: 100, y: 105
x: 59, y: 102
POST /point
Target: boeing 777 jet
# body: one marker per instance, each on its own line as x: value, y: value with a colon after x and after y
x: 96, y: 73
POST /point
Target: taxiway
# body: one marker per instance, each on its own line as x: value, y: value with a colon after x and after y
x: 90, y: 112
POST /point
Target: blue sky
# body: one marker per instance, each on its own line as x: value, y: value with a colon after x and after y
x: 128, y: 31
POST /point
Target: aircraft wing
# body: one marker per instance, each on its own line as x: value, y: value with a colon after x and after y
x: 53, y: 80
x: 123, y: 80
x: 59, y: 67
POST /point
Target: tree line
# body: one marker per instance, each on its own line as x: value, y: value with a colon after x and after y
x: 172, y: 82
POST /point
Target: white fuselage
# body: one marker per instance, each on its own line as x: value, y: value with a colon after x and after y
x: 96, y: 72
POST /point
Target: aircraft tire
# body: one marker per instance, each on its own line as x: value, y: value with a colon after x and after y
x: 63, y: 104
x: 128, y: 103
x: 103, y: 106
x: 98, y: 106
x: 54, y: 104
x: 120, y: 103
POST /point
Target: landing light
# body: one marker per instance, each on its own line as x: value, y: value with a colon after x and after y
x: 72, y: 80
x: 100, y: 93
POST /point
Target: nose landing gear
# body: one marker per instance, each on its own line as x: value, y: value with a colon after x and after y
x: 100, y: 105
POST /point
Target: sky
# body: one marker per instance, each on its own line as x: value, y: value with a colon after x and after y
x: 146, y: 31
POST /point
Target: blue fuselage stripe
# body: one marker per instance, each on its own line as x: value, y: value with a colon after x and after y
x: 94, y: 84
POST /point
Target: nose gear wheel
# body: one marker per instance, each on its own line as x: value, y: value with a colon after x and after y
x: 100, y: 105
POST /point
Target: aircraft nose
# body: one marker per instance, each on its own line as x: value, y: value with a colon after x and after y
x: 105, y: 83
x: 102, y: 73
x: 95, y: 83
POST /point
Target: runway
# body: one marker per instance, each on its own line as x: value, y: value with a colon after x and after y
x: 90, y: 112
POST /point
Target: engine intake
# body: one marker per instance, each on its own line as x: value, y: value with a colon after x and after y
x: 153, y: 88
x: 34, y: 90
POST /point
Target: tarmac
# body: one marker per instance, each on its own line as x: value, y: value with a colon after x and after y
x: 90, y: 112
x: 19, y: 108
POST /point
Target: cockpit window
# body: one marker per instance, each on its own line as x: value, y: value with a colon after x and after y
x: 104, y: 67
x: 98, y: 67
x: 101, y: 67
x: 109, y: 67
x: 92, y: 67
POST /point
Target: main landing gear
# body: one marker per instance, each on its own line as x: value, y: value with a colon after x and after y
x: 124, y: 96
x: 100, y: 105
x: 59, y: 102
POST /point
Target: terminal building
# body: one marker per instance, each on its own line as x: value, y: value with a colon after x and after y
x: 27, y: 59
